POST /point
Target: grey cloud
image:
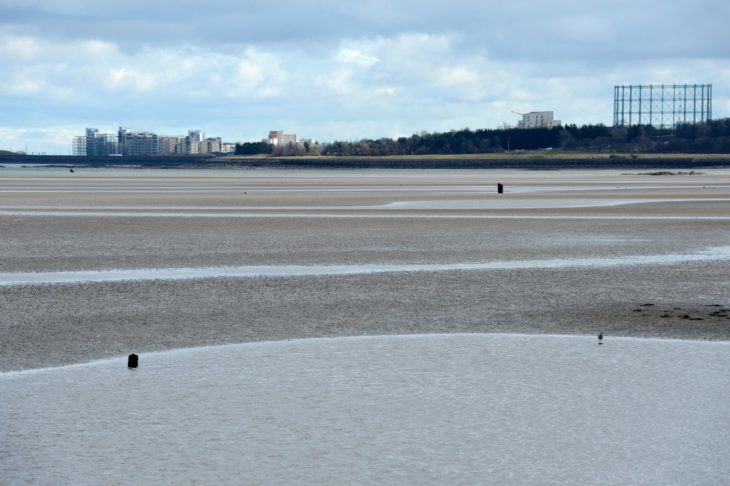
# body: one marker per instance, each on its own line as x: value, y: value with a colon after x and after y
x: 536, y: 30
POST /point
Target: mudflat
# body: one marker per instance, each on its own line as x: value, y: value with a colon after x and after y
x: 607, y: 251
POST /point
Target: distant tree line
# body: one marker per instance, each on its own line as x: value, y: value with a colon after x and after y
x: 290, y: 149
x: 253, y: 148
x: 708, y: 137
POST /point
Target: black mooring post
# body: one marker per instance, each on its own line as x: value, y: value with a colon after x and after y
x: 132, y: 361
x: 500, y: 188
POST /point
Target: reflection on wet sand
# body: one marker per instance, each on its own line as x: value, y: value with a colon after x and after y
x: 119, y: 275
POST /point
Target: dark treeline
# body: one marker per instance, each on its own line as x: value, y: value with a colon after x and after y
x: 253, y: 148
x: 708, y: 137
x: 257, y: 148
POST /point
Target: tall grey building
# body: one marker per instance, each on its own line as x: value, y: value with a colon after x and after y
x: 136, y: 143
x: 78, y: 146
x: 95, y: 144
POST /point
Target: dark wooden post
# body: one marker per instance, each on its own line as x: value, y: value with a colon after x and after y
x: 132, y: 361
x: 500, y: 188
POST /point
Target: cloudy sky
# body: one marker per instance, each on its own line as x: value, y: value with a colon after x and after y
x: 339, y: 70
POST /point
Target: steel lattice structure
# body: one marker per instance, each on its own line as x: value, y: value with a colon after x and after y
x: 661, y: 105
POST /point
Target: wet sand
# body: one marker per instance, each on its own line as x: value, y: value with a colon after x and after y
x: 51, y: 220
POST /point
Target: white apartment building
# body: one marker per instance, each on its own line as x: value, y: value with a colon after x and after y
x: 132, y: 143
x: 279, y: 138
x: 538, y: 119
x: 136, y: 143
x: 95, y: 144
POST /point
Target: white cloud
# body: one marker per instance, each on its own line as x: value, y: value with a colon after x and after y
x: 17, y: 47
x: 10, y: 135
x: 339, y: 81
x: 27, y: 48
x: 98, y: 48
x: 126, y: 79
x: 385, y: 91
x: 355, y: 56
x: 59, y: 136
x: 250, y: 74
x: 22, y: 85
x: 53, y: 140
x: 458, y: 76
x: 92, y: 68
x: 35, y: 81
x: 258, y: 74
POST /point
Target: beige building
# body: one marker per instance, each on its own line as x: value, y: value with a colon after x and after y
x: 210, y: 145
x: 168, y: 145
x: 279, y: 138
x: 538, y: 119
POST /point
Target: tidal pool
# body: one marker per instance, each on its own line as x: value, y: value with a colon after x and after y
x: 423, y: 409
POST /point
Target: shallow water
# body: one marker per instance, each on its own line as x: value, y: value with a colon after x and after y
x: 415, y: 204
x: 439, y: 409
x: 720, y: 253
x: 562, y: 203
x: 346, y: 213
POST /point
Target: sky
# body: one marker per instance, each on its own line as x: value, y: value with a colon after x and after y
x: 339, y: 70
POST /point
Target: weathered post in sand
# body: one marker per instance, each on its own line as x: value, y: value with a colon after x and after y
x: 132, y: 361
x: 500, y: 188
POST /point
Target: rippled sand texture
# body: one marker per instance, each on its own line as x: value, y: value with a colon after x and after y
x: 140, y: 220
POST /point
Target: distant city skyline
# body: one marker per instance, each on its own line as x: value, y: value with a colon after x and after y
x: 127, y: 141
x: 339, y: 71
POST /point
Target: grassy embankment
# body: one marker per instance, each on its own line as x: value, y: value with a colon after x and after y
x: 514, y: 155
x: 529, y: 160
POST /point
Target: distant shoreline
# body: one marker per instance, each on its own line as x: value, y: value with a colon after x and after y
x: 518, y: 160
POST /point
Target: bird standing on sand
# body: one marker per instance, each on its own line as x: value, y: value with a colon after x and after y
x: 600, y: 338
